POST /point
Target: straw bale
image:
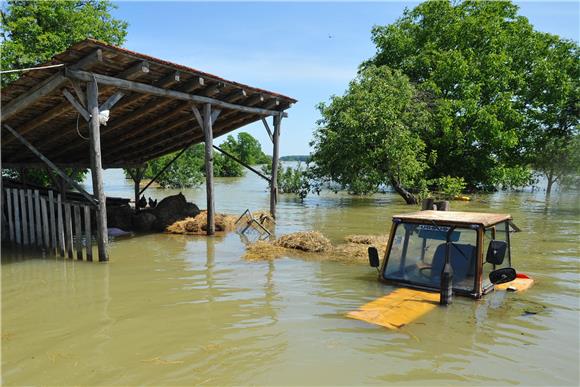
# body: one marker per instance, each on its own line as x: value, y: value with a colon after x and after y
x: 374, y: 240
x: 310, y: 241
x: 198, y: 225
x: 263, y: 250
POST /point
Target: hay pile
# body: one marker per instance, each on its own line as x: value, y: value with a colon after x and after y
x: 263, y: 250
x: 311, y: 241
x: 198, y: 225
x: 314, y: 245
x: 356, y: 246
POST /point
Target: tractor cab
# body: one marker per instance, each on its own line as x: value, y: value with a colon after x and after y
x: 474, y: 247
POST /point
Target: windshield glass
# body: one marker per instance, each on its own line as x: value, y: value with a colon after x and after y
x: 418, y: 255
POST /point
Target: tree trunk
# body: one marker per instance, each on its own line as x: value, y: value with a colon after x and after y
x: 550, y: 183
x: 409, y: 197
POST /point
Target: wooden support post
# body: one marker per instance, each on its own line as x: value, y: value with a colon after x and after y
x: 97, y: 169
x: 136, y: 176
x: 208, y: 133
x: 275, y: 157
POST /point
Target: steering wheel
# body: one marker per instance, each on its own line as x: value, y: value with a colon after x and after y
x: 425, y: 271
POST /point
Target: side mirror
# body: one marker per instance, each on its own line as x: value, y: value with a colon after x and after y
x: 373, y: 257
x: 501, y: 276
x: 496, y: 252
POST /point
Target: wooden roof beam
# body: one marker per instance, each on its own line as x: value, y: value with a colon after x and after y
x: 255, y: 99
x: 197, y: 139
x: 160, y: 92
x: 236, y: 95
x: 213, y: 89
x: 112, y: 127
x: 47, y: 86
x: 166, y: 136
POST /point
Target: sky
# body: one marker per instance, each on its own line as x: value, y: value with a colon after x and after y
x: 305, y: 50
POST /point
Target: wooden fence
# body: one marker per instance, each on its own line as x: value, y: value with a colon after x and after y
x: 45, y: 221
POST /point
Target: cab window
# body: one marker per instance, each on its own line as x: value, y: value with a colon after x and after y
x: 418, y: 251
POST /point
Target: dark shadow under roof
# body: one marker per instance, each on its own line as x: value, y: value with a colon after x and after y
x: 141, y: 127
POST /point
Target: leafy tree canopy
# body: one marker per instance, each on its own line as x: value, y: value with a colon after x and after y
x: 34, y: 31
x: 552, y: 108
x: 371, y: 136
x: 473, y: 58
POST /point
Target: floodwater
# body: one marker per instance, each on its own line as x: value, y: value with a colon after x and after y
x: 183, y: 310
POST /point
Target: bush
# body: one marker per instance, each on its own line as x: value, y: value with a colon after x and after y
x: 449, y: 187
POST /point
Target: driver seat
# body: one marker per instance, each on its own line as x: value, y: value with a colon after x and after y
x: 462, y: 258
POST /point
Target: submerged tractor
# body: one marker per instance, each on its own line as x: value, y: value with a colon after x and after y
x: 463, y: 253
x: 432, y: 255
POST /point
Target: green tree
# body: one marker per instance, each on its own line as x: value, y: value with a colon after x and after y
x: 185, y: 172
x: 552, y: 107
x: 472, y: 58
x: 250, y: 150
x: 371, y: 136
x: 188, y: 170
x: 225, y: 166
x: 34, y: 31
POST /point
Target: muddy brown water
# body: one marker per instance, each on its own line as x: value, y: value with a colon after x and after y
x: 183, y: 310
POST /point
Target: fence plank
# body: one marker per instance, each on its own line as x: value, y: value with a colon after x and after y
x: 78, y: 237
x: 31, y: 225
x: 88, y: 236
x: 17, y: 223
x: 68, y: 230
x: 44, y: 227
x: 38, y: 218
x: 60, y: 226
x: 10, y: 215
x: 52, y: 220
x: 25, y: 240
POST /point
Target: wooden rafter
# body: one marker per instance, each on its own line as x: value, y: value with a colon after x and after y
x: 46, y: 87
x: 161, y: 92
x: 25, y: 100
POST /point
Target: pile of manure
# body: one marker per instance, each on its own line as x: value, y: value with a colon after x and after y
x: 198, y: 225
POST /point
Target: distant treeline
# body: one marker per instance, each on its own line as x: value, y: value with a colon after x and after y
x: 302, y: 158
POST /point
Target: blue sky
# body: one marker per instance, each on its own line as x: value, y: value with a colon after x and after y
x: 305, y: 50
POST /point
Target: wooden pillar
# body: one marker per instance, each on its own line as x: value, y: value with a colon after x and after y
x: 275, y: 157
x: 137, y: 176
x: 97, y: 168
x: 208, y: 133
